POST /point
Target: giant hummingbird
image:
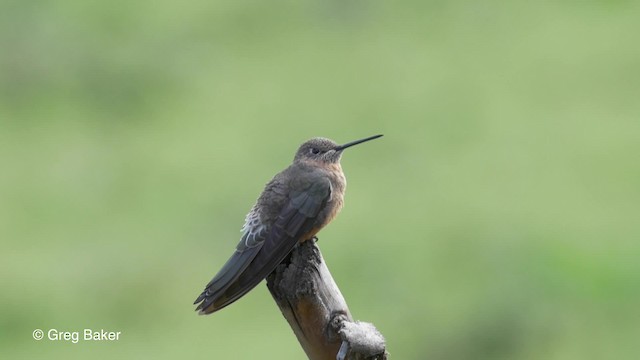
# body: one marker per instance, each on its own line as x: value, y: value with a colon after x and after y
x: 294, y: 206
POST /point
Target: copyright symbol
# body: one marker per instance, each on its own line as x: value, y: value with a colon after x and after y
x: 38, y: 334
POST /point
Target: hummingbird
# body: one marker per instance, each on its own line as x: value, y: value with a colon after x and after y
x: 293, y: 207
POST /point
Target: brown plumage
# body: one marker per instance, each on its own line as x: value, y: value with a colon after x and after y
x: 296, y: 204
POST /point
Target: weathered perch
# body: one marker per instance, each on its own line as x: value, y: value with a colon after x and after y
x: 311, y: 302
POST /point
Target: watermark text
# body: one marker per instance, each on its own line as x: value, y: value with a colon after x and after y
x: 74, y: 337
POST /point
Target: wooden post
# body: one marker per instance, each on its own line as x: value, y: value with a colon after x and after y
x: 311, y: 302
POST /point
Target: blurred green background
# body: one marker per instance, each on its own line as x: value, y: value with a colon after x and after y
x: 497, y: 218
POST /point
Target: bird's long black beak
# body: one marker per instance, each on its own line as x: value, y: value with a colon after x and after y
x: 342, y: 147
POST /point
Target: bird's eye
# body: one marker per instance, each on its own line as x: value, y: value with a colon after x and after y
x: 314, y: 151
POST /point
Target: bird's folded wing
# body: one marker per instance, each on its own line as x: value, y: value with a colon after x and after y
x: 254, y: 260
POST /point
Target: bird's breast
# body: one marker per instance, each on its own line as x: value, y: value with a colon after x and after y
x: 336, y: 201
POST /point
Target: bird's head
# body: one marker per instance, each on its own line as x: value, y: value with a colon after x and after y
x: 324, y: 150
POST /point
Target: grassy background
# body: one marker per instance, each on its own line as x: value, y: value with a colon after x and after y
x: 497, y: 218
